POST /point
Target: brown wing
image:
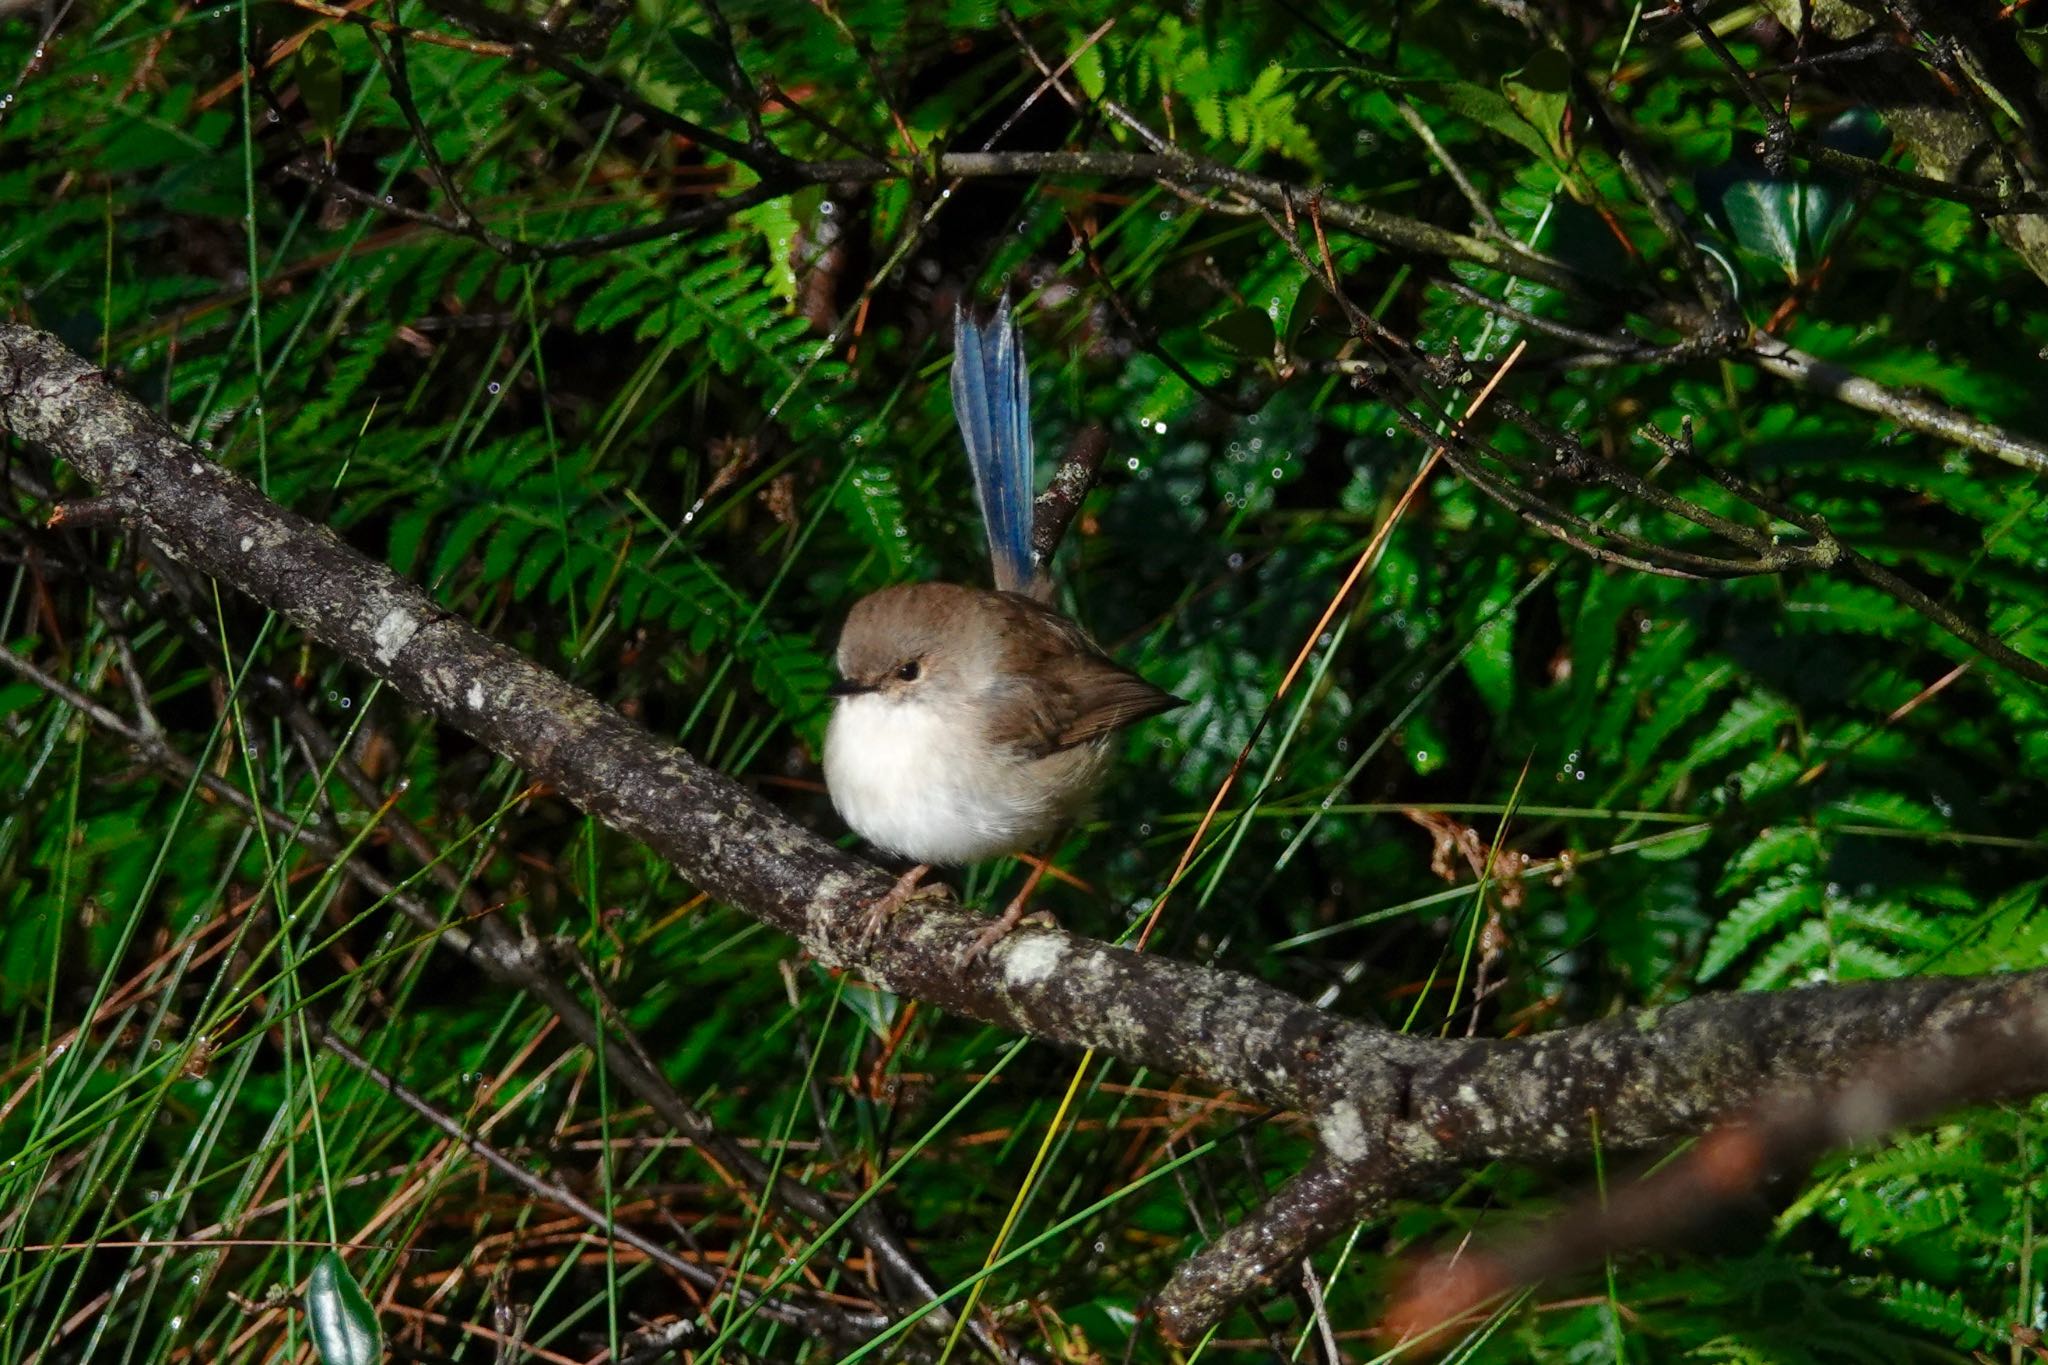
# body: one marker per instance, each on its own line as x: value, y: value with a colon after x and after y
x: 1063, y: 690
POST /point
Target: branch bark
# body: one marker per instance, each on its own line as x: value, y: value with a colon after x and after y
x: 1915, y: 414
x: 1388, y: 1110
x: 1998, y: 1054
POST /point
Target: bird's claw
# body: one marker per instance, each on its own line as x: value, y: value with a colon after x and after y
x: 1000, y: 930
x: 909, y: 887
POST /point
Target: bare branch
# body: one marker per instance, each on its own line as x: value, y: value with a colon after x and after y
x: 1999, y: 1055
x: 1067, y: 490
x: 1915, y: 414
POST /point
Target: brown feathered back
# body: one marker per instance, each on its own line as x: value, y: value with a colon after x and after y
x: 1064, y: 690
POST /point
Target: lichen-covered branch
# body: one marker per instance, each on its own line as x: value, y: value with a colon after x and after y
x: 2000, y: 1052
x: 1908, y: 410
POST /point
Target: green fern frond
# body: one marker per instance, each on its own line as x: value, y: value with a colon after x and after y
x: 1755, y: 917
x: 1803, y: 952
x: 1927, y: 1306
x: 1775, y: 848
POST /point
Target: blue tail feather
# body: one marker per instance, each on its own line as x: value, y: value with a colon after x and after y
x: 992, y: 403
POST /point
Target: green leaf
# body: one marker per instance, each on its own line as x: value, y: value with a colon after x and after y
x: 775, y: 221
x: 1491, y: 661
x: 461, y: 538
x: 706, y: 58
x: 1898, y: 925
x: 1425, y: 745
x: 1925, y: 1305
x: 1247, y: 331
x: 17, y: 696
x: 1844, y: 608
x: 1676, y: 846
x: 1882, y: 808
x: 1749, y: 719
x: 344, y: 1325
x: 1300, y: 309
x: 1541, y: 92
x: 1784, y: 221
x: 1488, y: 108
x: 1789, y: 220
x: 1679, y: 699
x: 317, y: 67
x: 2034, y: 43
x: 1088, y: 71
x: 408, y: 533
x: 1799, y: 952
x: 876, y: 1008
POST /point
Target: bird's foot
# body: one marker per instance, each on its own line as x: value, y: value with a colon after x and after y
x: 909, y: 887
x: 1013, y: 915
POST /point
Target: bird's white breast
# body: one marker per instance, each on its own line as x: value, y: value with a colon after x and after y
x: 918, y: 780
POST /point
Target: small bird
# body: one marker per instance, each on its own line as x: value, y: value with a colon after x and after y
x: 968, y: 723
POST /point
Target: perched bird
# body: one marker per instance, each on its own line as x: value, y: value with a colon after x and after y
x: 969, y: 723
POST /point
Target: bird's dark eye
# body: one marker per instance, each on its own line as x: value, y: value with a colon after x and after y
x: 908, y: 672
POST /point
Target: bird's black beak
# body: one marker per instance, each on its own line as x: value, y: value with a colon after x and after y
x: 844, y: 688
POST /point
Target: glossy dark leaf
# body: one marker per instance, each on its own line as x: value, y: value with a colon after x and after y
x: 344, y: 1325
x: 1300, y: 309
x: 1247, y: 331
x: 1789, y: 220
x: 706, y: 58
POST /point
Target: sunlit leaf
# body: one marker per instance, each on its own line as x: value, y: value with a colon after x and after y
x: 1541, y: 93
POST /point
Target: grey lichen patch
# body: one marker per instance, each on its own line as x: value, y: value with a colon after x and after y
x: 1531, y: 1091
x: 1344, y: 1135
x: 575, y: 713
x: 267, y: 534
x: 393, y: 632
x: 1126, y: 1029
x: 1027, y: 959
x: 783, y: 841
x: 441, y: 681
x: 828, y: 898
x: 1414, y: 1145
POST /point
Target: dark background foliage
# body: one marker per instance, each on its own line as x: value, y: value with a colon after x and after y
x: 666, y: 467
